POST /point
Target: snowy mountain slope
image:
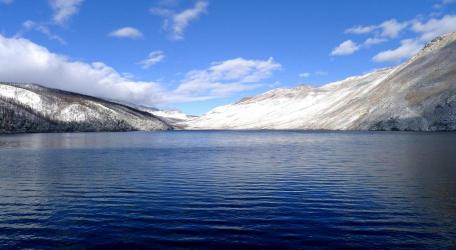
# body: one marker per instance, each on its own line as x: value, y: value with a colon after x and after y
x: 32, y: 108
x: 171, y: 117
x: 417, y: 95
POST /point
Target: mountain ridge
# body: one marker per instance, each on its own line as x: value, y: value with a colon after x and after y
x: 416, y: 95
x: 34, y: 108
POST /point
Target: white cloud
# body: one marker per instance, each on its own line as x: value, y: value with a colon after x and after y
x: 387, y: 29
x: 392, y: 28
x: 176, y: 23
x: 443, y: 3
x: 408, y: 48
x: 163, y: 12
x: 64, y: 10
x: 24, y: 61
x: 383, y: 32
x: 373, y: 41
x: 304, y: 75
x: 346, y: 48
x: 43, y: 29
x: 427, y: 29
x: 435, y: 27
x: 224, y: 78
x: 153, y: 58
x: 182, y: 20
x: 243, y: 70
x: 126, y: 32
x: 359, y: 29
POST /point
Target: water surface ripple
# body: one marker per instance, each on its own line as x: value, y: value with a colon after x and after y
x: 225, y: 190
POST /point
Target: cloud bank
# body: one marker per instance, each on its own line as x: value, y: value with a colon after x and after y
x: 224, y: 78
x: 425, y: 30
x: 26, y: 62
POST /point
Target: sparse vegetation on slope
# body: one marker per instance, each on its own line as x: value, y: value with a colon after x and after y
x: 33, y: 108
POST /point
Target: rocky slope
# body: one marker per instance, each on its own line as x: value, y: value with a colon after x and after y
x: 418, y: 95
x: 33, y: 108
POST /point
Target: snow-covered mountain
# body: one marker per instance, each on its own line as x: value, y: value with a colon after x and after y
x: 33, y: 108
x: 417, y: 95
x: 172, y: 117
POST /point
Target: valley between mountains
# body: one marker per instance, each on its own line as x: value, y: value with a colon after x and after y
x: 418, y: 95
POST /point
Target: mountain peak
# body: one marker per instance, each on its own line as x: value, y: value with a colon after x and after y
x: 417, y: 95
x: 437, y: 43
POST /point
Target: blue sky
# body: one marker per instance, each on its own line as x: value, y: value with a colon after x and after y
x: 194, y: 55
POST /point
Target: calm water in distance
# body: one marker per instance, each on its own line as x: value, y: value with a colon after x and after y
x: 228, y: 190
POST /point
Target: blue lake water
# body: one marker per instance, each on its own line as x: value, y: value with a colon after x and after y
x: 228, y: 190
